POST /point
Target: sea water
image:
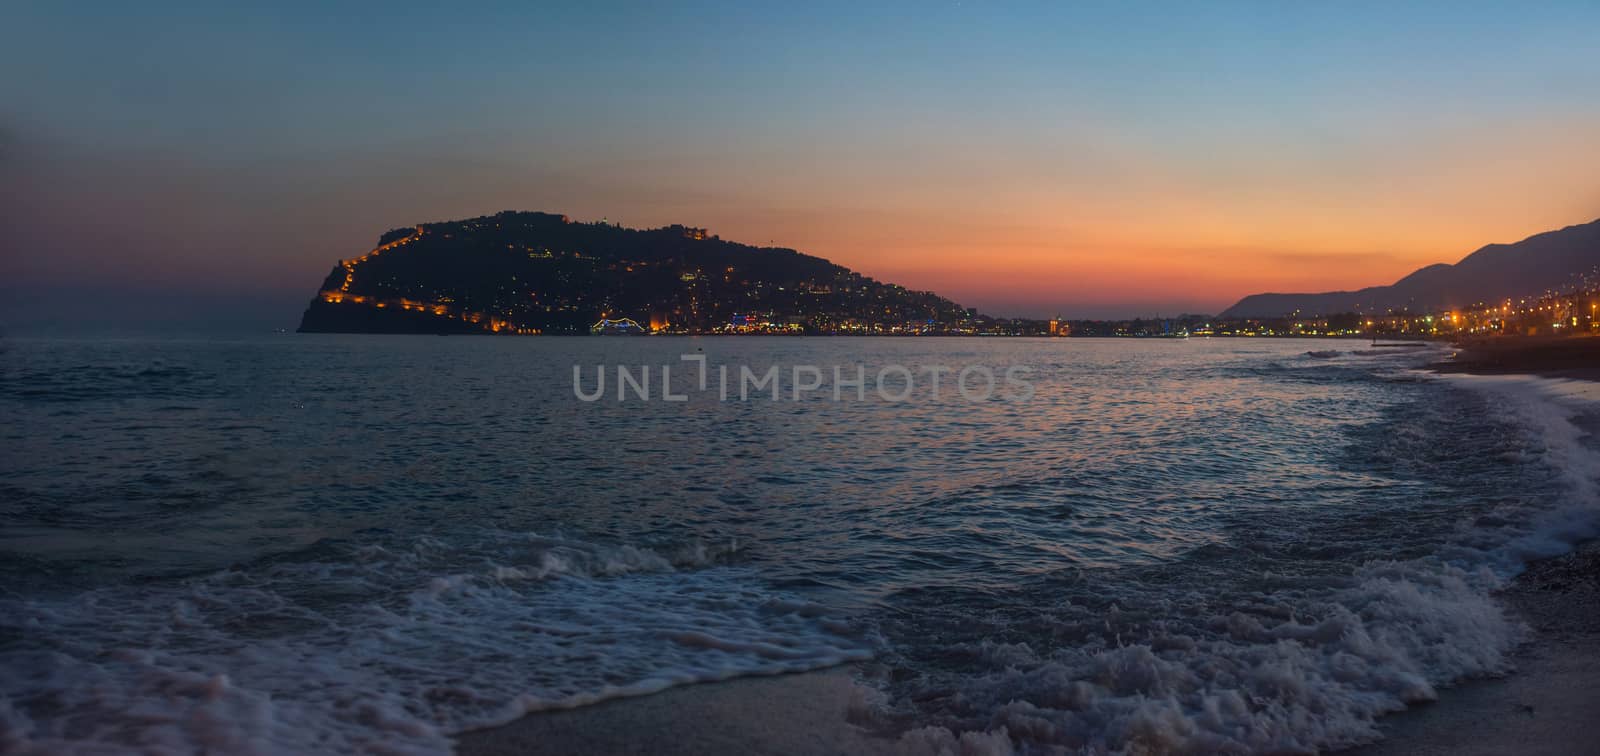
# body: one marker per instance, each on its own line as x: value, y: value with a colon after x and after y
x: 303, y: 544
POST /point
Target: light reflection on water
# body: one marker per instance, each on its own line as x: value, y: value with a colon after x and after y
x: 1148, y: 488
x: 201, y: 455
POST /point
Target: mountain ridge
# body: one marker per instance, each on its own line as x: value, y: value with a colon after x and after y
x: 1543, y: 261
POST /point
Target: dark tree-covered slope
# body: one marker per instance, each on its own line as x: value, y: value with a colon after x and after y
x: 522, y: 272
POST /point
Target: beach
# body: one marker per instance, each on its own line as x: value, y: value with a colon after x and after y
x: 1575, y: 357
x: 1546, y: 706
x: 805, y: 713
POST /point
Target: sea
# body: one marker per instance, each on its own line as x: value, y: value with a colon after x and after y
x: 298, y: 544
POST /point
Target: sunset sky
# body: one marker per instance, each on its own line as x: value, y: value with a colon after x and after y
x: 165, y: 162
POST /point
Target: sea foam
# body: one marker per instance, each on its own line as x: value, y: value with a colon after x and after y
x: 379, y: 651
x: 1304, y: 665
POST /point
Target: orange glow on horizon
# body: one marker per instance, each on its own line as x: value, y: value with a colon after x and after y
x: 1129, y: 231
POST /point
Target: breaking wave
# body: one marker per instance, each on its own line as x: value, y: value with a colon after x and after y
x: 1289, y: 658
x: 375, y: 648
x: 1182, y: 548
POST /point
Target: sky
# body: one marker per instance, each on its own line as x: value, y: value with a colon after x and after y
x: 197, y: 166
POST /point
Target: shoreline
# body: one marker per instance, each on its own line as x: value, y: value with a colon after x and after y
x: 1575, y: 357
x: 1545, y: 705
x: 785, y: 715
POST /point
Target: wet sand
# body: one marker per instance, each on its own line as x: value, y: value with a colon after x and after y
x: 1549, y: 705
x: 789, y: 715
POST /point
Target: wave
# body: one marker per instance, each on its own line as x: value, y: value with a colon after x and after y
x: 1316, y: 677
x: 1562, y: 416
x: 1279, y: 587
x: 1293, y: 661
x: 382, y: 650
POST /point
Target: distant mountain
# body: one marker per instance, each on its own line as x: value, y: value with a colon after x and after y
x: 539, y: 272
x: 1551, y: 260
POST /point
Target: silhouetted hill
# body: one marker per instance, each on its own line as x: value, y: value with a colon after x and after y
x: 538, y: 272
x: 1547, y: 261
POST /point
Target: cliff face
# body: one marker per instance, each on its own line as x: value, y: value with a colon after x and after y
x: 519, y: 272
x: 1551, y: 260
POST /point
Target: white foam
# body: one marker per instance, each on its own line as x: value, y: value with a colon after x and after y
x: 1319, y: 679
x: 386, y: 654
x: 392, y: 650
x: 1548, y: 408
x: 1242, y: 684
